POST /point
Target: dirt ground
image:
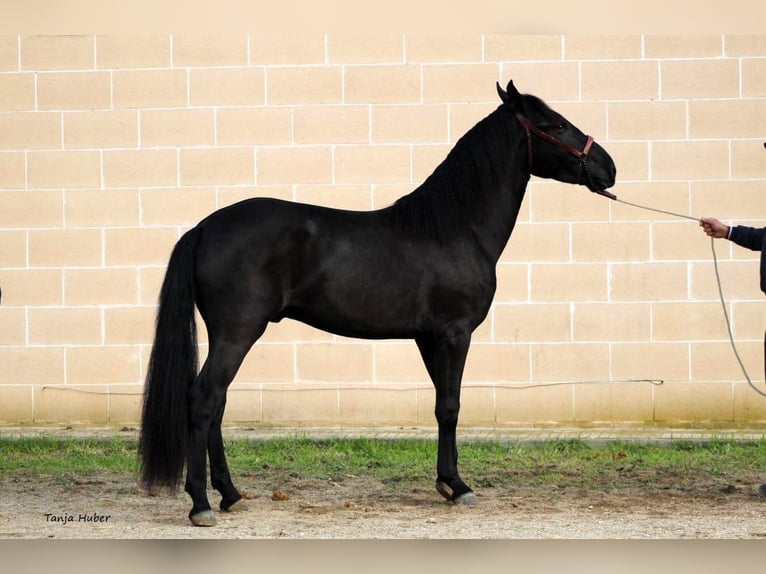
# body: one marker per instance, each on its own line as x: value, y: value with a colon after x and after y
x: 108, y: 507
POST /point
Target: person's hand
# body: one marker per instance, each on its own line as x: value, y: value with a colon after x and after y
x: 714, y: 228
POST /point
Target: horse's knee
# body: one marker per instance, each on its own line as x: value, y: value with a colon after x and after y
x: 447, y: 412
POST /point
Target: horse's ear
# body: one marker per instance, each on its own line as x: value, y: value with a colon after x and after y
x: 510, y: 95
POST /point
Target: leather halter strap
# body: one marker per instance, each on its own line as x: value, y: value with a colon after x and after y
x: 530, y: 128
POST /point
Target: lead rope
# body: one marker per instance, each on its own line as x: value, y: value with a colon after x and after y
x: 718, y: 280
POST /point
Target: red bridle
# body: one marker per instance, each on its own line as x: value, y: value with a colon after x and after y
x: 530, y: 128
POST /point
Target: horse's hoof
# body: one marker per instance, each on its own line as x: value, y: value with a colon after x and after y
x: 204, y: 518
x: 469, y: 499
x: 762, y: 490
x: 238, y: 506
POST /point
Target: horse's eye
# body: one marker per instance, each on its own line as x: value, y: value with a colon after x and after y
x: 561, y: 127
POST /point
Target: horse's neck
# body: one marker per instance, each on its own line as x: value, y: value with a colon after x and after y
x: 476, y: 192
x: 498, y: 202
x: 494, y: 226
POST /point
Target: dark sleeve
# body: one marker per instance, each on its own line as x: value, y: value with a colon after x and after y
x: 749, y: 237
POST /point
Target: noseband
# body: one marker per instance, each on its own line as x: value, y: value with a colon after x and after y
x: 531, y: 128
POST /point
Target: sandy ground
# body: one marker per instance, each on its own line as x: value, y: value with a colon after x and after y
x: 107, y: 507
x: 113, y: 507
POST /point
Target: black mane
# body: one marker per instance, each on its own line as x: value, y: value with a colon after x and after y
x: 475, y: 165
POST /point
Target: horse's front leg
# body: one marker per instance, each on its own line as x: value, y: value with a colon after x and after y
x: 445, y: 360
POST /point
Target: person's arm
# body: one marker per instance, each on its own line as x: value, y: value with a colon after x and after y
x: 748, y: 237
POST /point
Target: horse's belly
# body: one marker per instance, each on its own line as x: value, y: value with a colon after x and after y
x: 397, y: 308
x: 367, y: 315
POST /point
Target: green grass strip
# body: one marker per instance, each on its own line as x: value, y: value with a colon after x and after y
x: 482, y: 464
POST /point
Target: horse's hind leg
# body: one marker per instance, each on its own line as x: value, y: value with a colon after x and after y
x: 231, y: 499
x: 207, y: 397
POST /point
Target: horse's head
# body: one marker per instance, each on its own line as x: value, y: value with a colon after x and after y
x: 555, y: 147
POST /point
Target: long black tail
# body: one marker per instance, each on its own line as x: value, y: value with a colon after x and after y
x: 173, y: 366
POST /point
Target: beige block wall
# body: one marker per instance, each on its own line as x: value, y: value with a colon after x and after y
x: 112, y: 146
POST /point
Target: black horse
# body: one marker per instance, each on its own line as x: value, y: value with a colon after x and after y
x: 422, y: 268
